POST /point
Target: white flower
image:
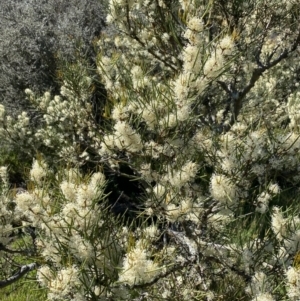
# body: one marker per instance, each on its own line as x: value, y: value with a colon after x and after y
x: 180, y: 86
x: 161, y: 3
x: 65, y: 282
x: 29, y: 92
x: 69, y: 190
x: 188, y: 171
x: 173, y: 212
x: 195, y: 24
x: 119, y: 112
x: 263, y: 202
x: 292, y: 242
x: 24, y: 201
x: 86, y: 195
x: 191, y: 58
x: 222, y: 189
x: 97, y: 180
x: 159, y: 190
x: 183, y: 176
x: 69, y: 212
x: 109, y: 19
x: 165, y: 37
x: 227, y: 45
x: 137, y: 76
x: 151, y: 231
x: 4, y: 175
x: 278, y: 223
x: 292, y: 276
x: 38, y: 171
x: 126, y: 137
x: 149, y: 114
x: 2, y: 112
x: 137, y: 268
x: 259, y: 284
x: 44, y: 274
x: 97, y: 290
x: 293, y: 283
x: 81, y: 248
x: 212, y: 66
x: 274, y: 188
x: 264, y: 297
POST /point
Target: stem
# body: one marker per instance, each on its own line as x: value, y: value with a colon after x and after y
x: 23, y: 271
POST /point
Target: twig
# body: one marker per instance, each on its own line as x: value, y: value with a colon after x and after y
x: 256, y: 74
x: 23, y: 271
x: 24, y: 252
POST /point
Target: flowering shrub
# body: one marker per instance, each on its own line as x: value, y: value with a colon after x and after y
x: 201, y: 109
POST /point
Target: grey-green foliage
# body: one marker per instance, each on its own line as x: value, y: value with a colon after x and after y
x: 34, y: 34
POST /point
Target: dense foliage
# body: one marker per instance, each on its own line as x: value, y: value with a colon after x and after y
x: 183, y: 184
x: 36, y: 36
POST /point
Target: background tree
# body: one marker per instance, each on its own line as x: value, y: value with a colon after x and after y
x: 38, y: 40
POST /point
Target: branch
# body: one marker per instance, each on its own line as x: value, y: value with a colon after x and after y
x: 24, y: 270
x: 132, y: 33
x: 24, y: 252
x: 175, y: 267
x: 256, y: 74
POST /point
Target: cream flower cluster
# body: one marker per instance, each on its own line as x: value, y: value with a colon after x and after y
x: 137, y: 267
x: 77, y: 211
x: 38, y: 171
x: 15, y: 130
x: 61, y: 285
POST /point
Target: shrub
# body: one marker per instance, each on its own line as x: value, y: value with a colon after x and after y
x: 204, y: 119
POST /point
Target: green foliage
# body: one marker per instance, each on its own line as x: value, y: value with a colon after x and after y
x: 25, y: 290
x: 19, y: 165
